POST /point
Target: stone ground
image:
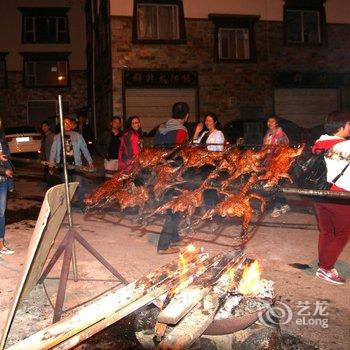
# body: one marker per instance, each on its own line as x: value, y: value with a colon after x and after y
x: 286, y: 247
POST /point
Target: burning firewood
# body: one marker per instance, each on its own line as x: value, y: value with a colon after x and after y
x: 185, y: 334
x: 187, y: 298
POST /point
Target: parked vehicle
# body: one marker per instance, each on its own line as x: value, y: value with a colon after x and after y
x: 253, y: 131
x: 23, y: 140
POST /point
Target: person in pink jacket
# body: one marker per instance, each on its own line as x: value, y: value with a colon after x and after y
x: 276, y: 136
x: 130, y: 143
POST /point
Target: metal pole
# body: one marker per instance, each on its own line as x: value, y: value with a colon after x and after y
x: 66, y: 183
x: 93, y: 63
x: 318, y: 193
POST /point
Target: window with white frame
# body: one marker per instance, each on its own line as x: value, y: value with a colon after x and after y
x: 234, y: 37
x: 44, y: 25
x: 304, y: 24
x: 234, y: 43
x: 158, y: 21
x: 46, y: 73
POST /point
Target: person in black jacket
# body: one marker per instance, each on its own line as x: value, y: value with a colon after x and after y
x: 108, y: 143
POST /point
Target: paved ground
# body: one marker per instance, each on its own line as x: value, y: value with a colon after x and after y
x: 278, y: 244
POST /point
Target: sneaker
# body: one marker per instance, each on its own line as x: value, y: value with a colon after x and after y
x: 170, y: 250
x: 276, y: 213
x: 331, y: 276
x: 285, y: 208
x: 6, y: 251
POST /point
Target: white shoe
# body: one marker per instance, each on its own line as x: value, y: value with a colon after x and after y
x: 285, y: 208
x: 6, y: 251
x: 276, y: 213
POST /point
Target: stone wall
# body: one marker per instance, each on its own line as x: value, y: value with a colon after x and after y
x: 13, y: 100
x: 228, y: 88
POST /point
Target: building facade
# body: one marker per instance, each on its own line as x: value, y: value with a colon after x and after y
x: 238, y: 59
x: 42, y: 54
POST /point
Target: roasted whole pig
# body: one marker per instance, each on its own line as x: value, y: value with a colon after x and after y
x: 187, y: 201
x: 249, y: 161
x: 150, y: 157
x: 165, y: 175
x: 279, y: 164
x: 228, y: 163
x: 237, y: 205
x: 131, y: 197
x: 196, y: 157
x: 107, y: 190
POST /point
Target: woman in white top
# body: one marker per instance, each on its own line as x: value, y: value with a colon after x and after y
x: 210, y: 134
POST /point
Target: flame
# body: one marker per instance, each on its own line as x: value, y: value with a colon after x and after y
x: 191, y: 248
x: 250, y: 282
x: 184, y: 267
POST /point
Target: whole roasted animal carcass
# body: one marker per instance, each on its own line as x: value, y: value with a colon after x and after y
x: 248, y: 162
x: 237, y: 205
x: 279, y: 164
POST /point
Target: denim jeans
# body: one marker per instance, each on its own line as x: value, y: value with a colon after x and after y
x: 3, y: 198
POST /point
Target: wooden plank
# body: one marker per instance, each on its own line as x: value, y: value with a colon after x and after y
x: 49, y: 221
x: 113, y: 306
x: 184, y: 301
x: 192, y: 325
x: 181, y: 304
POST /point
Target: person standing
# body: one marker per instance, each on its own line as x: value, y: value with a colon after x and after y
x: 169, y: 134
x: 131, y: 143
x: 45, y: 148
x: 209, y: 132
x: 276, y: 136
x: 74, y: 146
x: 84, y: 129
x: 333, y: 216
x: 46, y: 141
x: 108, y: 144
x: 173, y: 132
x: 6, y: 184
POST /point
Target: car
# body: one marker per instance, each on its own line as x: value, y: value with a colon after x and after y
x: 23, y: 140
x: 253, y: 131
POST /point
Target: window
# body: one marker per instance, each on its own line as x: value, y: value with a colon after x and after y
x: 158, y: 21
x: 46, y: 69
x: 3, y: 71
x: 304, y: 24
x: 44, y: 25
x: 234, y: 38
x: 234, y: 44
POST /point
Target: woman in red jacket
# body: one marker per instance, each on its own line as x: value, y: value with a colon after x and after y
x: 130, y: 143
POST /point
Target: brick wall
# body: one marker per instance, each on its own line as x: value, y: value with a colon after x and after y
x: 228, y: 88
x: 13, y: 100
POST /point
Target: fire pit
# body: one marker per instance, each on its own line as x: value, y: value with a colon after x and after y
x: 229, y: 296
x: 196, y: 294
